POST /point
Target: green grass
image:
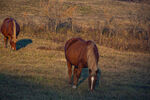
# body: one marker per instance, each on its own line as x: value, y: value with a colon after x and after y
x: 35, y: 74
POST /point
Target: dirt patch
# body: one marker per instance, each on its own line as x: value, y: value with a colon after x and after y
x: 60, y: 48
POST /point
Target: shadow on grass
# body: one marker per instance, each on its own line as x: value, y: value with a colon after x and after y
x: 16, y: 88
x: 85, y: 75
x: 23, y: 43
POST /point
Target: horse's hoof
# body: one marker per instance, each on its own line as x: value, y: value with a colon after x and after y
x: 74, y: 86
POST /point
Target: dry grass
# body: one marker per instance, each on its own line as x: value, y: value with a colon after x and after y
x: 35, y: 74
x: 37, y: 70
x: 112, y: 23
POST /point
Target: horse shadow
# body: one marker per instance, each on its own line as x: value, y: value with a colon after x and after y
x: 22, y: 43
x: 85, y: 75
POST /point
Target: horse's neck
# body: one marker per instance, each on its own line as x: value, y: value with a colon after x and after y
x: 91, y: 58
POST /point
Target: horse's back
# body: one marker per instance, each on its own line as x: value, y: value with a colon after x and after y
x: 70, y: 42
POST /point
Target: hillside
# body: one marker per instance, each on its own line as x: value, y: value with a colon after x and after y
x: 38, y: 70
x: 112, y: 23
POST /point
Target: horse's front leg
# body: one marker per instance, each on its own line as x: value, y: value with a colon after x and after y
x: 5, y: 42
x: 77, y: 75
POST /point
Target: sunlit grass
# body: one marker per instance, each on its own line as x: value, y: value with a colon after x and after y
x: 35, y: 74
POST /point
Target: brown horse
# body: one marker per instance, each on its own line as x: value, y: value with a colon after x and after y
x: 82, y: 54
x: 10, y: 29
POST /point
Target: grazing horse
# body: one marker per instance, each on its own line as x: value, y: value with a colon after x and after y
x: 82, y: 54
x: 10, y: 29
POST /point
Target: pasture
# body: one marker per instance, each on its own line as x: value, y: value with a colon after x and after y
x: 38, y: 70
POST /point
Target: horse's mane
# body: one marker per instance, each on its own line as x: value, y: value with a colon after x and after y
x: 92, y: 60
x: 14, y: 31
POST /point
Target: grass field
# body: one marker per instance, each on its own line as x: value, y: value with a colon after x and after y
x: 38, y: 71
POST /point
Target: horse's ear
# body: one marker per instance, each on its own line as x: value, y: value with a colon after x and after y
x: 90, y: 71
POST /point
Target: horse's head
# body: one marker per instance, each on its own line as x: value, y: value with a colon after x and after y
x: 92, y: 79
x: 13, y: 45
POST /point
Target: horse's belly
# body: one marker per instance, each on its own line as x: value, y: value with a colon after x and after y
x: 6, y: 30
x: 75, y: 60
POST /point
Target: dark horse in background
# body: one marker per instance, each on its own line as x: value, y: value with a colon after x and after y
x: 82, y: 54
x: 10, y: 29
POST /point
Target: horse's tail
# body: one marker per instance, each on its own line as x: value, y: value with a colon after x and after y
x: 91, y: 57
x: 14, y: 31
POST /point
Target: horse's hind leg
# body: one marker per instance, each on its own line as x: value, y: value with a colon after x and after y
x: 77, y: 72
x: 69, y: 71
x: 75, y: 76
x: 5, y: 42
